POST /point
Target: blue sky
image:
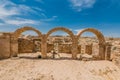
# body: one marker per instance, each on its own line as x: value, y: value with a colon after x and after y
x: 44, y: 15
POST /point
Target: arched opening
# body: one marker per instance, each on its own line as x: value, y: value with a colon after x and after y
x: 61, y: 44
x: 100, y: 41
x: 26, y: 40
x: 88, y: 45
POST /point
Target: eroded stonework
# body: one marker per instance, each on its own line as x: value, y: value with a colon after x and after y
x: 45, y: 47
x: 4, y: 45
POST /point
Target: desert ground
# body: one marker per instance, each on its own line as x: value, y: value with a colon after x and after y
x: 30, y: 67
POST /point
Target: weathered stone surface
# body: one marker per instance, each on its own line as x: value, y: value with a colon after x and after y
x: 25, y: 46
x: 4, y: 46
x: 17, y: 33
x: 100, y: 38
x: 88, y: 49
x: 74, y: 45
x: 45, y: 47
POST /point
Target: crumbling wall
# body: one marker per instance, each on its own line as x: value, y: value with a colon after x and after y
x: 79, y: 48
x: 4, y: 46
x: 88, y: 49
x: 50, y: 47
x: 64, y: 48
x: 10, y: 42
x: 25, y: 46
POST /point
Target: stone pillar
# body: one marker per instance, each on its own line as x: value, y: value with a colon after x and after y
x: 74, y: 48
x: 108, y: 51
x: 88, y: 49
x: 44, y: 46
x: 14, y: 47
x: 5, y: 46
x: 102, y: 51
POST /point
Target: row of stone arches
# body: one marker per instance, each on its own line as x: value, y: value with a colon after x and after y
x: 43, y: 37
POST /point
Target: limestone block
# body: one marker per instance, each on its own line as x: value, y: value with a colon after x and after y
x: 4, y: 48
x: 25, y: 46
x: 88, y: 49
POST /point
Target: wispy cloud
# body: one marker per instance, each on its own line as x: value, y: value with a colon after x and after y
x: 49, y: 19
x: 15, y: 14
x: 21, y: 21
x: 9, y: 11
x: 79, y: 5
x: 40, y: 1
x: 5, y: 11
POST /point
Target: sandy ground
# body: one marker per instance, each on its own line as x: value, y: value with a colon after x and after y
x: 31, y: 68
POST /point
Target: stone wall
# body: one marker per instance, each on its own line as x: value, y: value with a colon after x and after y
x: 28, y: 46
x: 88, y: 49
x: 4, y: 45
x: 25, y: 46
x: 64, y: 48
x: 12, y: 46
x: 50, y: 47
x: 79, y: 48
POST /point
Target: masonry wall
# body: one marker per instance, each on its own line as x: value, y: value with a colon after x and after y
x: 25, y: 46
x: 4, y: 46
x: 88, y: 49
x: 64, y: 48
x: 79, y: 48
x: 50, y: 47
x: 28, y: 46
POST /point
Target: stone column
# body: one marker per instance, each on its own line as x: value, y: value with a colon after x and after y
x: 74, y: 48
x: 44, y: 46
x: 108, y: 51
x: 14, y: 47
x: 5, y: 45
x: 102, y: 51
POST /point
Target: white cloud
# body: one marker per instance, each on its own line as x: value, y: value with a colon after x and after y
x: 49, y: 19
x: 21, y: 21
x: 79, y: 5
x: 37, y: 8
x: 40, y: 1
x: 8, y: 11
x: 14, y: 14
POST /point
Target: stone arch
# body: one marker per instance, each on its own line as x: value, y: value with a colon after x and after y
x: 95, y: 31
x: 16, y: 34
x: 100, y: 38
x: 60, y: 29
x: 70, y: 34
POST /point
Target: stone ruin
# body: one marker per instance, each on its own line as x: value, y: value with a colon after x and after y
x: 11, y: 44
